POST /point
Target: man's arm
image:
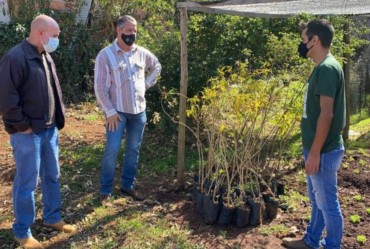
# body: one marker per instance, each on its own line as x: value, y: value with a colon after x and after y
x: 322, y: 131
x: 155, y: 68
x: 11, y: 76
x: 102, y: 84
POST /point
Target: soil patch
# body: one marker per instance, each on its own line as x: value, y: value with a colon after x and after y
x: 353, y: 179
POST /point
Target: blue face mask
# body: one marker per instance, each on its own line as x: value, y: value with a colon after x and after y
x: 52, y: 45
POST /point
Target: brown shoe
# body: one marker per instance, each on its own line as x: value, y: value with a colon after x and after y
x: 294, y: 243
x: 134, y: 194
x: 62, y: 227
x: 29, y: 243
x: 105, y: 200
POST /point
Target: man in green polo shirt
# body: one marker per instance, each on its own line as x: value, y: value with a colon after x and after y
x: 322, y: 123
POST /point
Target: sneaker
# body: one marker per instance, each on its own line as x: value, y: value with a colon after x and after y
x: 294, y: 243
x: 134, y: 194
x: 29, y: 243
x: 62, y: 227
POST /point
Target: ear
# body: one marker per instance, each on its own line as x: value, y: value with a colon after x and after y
x: 315, y: 40
x: 41, y: 32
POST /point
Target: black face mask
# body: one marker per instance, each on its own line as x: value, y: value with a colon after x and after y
x: 128, y: 39
x: 303, y: 50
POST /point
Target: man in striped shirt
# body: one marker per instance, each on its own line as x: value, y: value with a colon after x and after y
x: 123, y: 72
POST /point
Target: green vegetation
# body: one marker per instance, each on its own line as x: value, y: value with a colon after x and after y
x: 368, y: 211
x: 138, y: 228
x: 363, y: 152
x: 215, y: 41
x: 293, y: 199
x: 248, y: 118
x: 362, y: 162
x: 355, y: 218
x: 361, y: 239
x: 276, y: 229
x: 361, y: 141
x: 239, y: 68
x: 5, y: 218
x: 359, y: 119
x: 357, y: 198
x: 222, y: 233
x: 345, y: 165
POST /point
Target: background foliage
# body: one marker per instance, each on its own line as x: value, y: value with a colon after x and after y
x: 214, y: 41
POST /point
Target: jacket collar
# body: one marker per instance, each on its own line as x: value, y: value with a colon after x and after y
x: 31, y: 51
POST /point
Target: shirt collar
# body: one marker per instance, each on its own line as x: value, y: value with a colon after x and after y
x: 119, y: 50
x: 31, y: 51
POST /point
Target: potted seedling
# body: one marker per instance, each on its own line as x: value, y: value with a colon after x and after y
x: 244, y: 119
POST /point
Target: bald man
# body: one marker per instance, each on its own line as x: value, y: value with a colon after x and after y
x: 32, y: 110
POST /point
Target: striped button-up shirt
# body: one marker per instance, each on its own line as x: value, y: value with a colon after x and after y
x: 121, y: 78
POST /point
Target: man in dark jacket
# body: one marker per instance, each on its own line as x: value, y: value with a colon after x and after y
x: 32, y: 110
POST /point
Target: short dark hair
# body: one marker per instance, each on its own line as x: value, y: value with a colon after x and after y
x: 322, y: 28
x: 123, y: 19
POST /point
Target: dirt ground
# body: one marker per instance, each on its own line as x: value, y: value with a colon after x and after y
x: 353, y: 181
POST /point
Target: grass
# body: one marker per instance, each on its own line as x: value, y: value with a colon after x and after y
x: 91, y: 117
x: 78, y: 165
x: 126, y: 225
x: 166, y: 158
x: 5, y: 218
x: 138, y: 229
x: 362, y: 128
x: 276, y: 229
x: 7, y: 238
x: 293, y: 199
x: 363, y: 152
x: 301, y: 176
x: 222, y: 233
x: 361, y: 114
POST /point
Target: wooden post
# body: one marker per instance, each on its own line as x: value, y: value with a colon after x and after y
x: 183, y: 98
x: 346, y: 69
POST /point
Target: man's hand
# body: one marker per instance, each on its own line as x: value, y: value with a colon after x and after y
x: 112, y: 122
x: 28, y: 131
x: 312, y: 163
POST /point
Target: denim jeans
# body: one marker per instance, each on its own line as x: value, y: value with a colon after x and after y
x: 132, y: 127
x: 323, y: 193
x: 35, y: 156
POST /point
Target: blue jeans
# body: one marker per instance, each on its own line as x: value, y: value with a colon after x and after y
x: 323, y: 193
x: 35, y: 156
x: 133, y: 125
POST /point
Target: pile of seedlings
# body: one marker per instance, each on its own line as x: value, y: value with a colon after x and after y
x: 244, y: 121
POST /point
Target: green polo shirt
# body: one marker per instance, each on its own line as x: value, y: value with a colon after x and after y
x: 326, y: 79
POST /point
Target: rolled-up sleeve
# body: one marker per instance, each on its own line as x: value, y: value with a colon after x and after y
x: 154, y: 69
x: 102, y: 84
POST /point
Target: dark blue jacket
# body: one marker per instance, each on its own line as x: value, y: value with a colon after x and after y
x: 24, y: 98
